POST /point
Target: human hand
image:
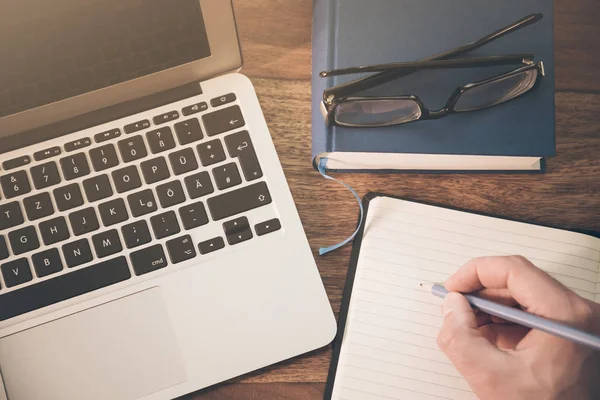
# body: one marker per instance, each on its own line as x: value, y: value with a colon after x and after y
x: 506, y: 361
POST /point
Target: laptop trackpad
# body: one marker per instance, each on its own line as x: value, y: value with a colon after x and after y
x: 121, y: 350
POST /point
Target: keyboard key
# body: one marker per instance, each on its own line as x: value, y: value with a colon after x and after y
x: 183, y: 161
x: 47, y: 263
x: 77, y: 253
x: 78, y: 144
x: 199, y: 185
x: 238, y: 230
x: 108, y: 135
x: 84, y: 221
x: 166, y: 117
x: 165, y: 225
x: 16, y: 272
x: 16, y: 163
x: 170, y: 194
x: 148, y: 260
x: 38, y: 206
x: 68, y: 197
x: 3, y: 249
x: 113, y: 212
x: 137, y: 126
x: 132, y: 149
x: 48, y: 153
x: 194, y: 109
x: 127, y: 179
x: 97, y: 188
x: 239, y: 145
x: 15, y: 184
x: 239, y: 201
x: 136, y: 234
x: 181, y: 249
x: 54, y: 231
x: 223, y: 120
x: 221, y: 101
x: 10, y: 215
x: 104, y: 157
x: 45, y: 175
x: 23, y: 240
x: 227, y: 176
x: 211, y: 152
x: 75, y: 166
x: 63, y: 287
x: 188, y: 131
x: 107, y: 243
x: 211, y: 245
x: 160, y: 140
x: 270, y: 226
x: 142, y: 203
x: 193, y: 216
x: 155, y: 170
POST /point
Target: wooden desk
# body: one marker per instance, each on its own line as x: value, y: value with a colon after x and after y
x: 276, y: 39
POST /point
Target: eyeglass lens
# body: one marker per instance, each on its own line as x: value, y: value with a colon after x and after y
x: 375, y: 112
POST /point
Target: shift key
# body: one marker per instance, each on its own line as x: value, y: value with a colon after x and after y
x: 239, y: 201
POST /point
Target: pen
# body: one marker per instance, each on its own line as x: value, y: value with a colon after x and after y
x: 524, y: 318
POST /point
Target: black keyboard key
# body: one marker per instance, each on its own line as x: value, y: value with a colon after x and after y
x: 136, y: 234
x: 142, y: 203
x: 227, y: 176
x: 270, y: 226
x: 170, y: 194
x: 3, y: 249
x: 63, y: 287
x: 97, y: 188
x: 211, y: 245
x: 23, y: 240
x: 239, y: 201
x: 68, y: 197
x: 45, y: 175
x: 54, y: 231
x: 107, y: 243
x: 78, y: 144
x: 75, y: 166
x: 77, y: 253
x: 84, y: 221
x: 108, y: 135
x: 16, y: 272
x: 223, y: 120
x: 127, y: 179
x: 113, y: 212
x: 199, y: 185
x: 104, y: 157
x: 211, y: 152
x: 155, y: 170
x: 48, y: 153
x: 181, y: 249
x: 132, y: 149
x: 38, y: 206
x: 160, y: 140
x: 239, y: 145
x: 238, y: 230
x: 148, y: 260
x: 137, y: 126
x: 183, y: 161
x: 165, y: 225
x: 221, y: 101
x: 47, y: 263
x: 194, y: 108
x: 16, y: 162
x: 15, y: 184
x: 188, y: 131
x: 166, y: 117
x: 10, y: 215
x: 193, y: 216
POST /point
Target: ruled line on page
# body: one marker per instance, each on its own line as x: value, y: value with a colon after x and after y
x: 396, y: 387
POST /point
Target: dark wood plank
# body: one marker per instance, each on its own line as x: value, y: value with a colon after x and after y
x: 253, y: 391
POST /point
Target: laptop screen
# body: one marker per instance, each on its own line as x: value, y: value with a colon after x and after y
x: 54, y: 50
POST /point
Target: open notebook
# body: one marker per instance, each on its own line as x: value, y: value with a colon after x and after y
x: 386, y: 345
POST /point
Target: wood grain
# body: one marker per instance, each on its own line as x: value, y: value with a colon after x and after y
x: 276, y: 40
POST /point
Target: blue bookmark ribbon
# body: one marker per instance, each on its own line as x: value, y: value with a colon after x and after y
x: 325, y: 250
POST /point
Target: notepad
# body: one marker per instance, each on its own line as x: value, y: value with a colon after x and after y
x: 386, y: 347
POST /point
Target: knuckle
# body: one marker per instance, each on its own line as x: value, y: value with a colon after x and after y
x: 518, y: 259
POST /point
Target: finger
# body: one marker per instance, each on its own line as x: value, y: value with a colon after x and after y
x: 505, y: 337
x: 501, y: 296
x: 483, y: 319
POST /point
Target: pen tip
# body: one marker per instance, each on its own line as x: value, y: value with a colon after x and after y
x: 426, y: 286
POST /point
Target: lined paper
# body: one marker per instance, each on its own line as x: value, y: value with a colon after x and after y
x: 389, y: 348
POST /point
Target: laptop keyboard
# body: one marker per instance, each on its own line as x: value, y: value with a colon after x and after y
x: 130, y: 200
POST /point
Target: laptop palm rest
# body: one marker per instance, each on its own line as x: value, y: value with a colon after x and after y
x: 121, y: 350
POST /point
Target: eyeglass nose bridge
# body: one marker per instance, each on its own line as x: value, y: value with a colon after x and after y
x: 437, y: 114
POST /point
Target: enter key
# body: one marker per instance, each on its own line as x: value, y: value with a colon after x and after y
x: 239, y: 145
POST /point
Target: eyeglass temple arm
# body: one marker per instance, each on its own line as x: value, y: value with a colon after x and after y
x: 383, y: 77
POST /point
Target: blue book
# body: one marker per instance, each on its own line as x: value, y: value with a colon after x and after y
x: 515, y: 136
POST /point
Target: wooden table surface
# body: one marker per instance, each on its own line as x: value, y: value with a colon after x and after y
x: 276, y: 41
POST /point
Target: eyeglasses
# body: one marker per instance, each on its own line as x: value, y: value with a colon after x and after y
x: 341, y: 108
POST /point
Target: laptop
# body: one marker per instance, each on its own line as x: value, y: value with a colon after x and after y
x: 149, y: 243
